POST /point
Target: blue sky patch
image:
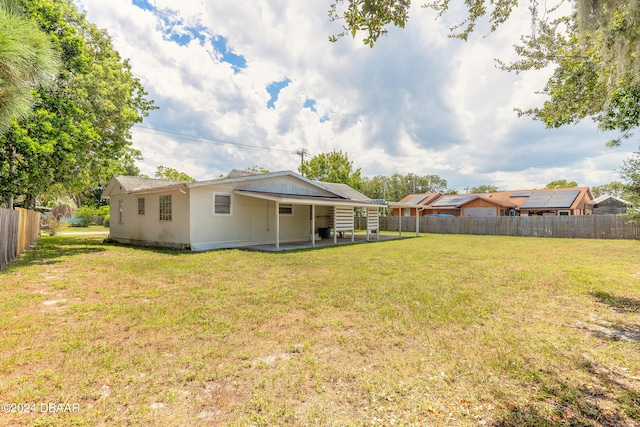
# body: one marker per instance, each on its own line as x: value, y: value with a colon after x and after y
x: 310, y: 104
x: 274, y: 90
x: 236, y: 61
x: 174, y: 28
x: 143, y: 4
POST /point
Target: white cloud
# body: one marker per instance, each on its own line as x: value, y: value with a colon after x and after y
x: 418, y: 102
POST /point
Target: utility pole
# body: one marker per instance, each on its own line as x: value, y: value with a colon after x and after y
x: 301, y: 152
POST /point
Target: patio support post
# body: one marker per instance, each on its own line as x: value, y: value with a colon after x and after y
x: 313, y: 226
x: 335, y: 219
x: 378, y: 230
x: 353, y: 226
x: 277, y: 225
x: 417, y: 223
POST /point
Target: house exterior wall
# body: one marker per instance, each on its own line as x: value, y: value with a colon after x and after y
x: 251, y: 221
x: 128, y: 226
x: 480, y: 207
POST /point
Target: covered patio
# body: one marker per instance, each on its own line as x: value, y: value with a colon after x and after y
x: 340, y: 219
x: 358, y: 238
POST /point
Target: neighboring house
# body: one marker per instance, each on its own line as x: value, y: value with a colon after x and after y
x: 609, y: 205
x: 242, y: 209
x: 563, y: 201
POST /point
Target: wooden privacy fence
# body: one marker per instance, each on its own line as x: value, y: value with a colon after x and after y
x: 19, y: 228
x: 583, y: 227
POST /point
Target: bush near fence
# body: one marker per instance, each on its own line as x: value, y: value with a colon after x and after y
x: 582, y: 227
x: 19, y: 228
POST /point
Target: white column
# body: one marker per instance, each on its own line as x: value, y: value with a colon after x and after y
x: 417, y: 222
x: 335, y: 220
x: 313, y: 226
x: 277, y: 225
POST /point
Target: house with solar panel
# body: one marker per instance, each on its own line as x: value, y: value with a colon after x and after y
x: 558, y: 201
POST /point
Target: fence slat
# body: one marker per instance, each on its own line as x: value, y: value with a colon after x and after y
x: 19, y: 228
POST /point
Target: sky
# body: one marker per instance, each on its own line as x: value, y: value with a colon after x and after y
x: 241, y: 84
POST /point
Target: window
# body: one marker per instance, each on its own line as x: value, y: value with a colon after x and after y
x: 140, y: 205
x: 165, y: 208
x: 285, y: 209
x: 120, y: 209
x: 407, y: 211
x: 222, y: 204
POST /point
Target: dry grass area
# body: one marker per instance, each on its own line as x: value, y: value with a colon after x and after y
x: 439, y: 330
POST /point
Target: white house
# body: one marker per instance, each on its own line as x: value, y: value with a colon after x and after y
x: 242, y: 209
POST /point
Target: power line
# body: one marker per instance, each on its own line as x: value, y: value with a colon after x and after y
x: 178, y: 135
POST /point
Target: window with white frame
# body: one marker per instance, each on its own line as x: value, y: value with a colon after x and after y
x: 120, y: 211
x: 165, y: 208
x: 285, y: 209
x: 140, y: 205
x: 221, y: 204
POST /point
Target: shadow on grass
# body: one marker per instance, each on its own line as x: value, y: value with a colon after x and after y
x: 154, y: 249
x: 49, y: 250
x: 608, y: 401
x: 622, y: 304
x: 611, y: 399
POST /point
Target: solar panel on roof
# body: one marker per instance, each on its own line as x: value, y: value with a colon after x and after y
x: 551, y: 199
x: 562, y: 199
x: 416, y: 199
x: 452, y: 200
x: 521, y: 194
x: 537, y: 200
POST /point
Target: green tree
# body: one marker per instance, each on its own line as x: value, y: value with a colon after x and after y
x: 561, y: 183
x: 614, y: 188
x: 630, y: 174
x: 332, y: 167
x: 79, y: 127
x: 27, y: 60
x: 485, y: 188
x: 594, y: 51
x: 164, y: 172
x: 398, y: 186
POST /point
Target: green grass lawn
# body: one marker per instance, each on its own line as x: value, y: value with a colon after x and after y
x: 438, y: 330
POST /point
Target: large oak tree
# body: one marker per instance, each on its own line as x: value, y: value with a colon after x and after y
x: 78, y: 132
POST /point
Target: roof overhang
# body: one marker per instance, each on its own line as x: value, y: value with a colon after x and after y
x: 295, y: 199
x: 399, y: 205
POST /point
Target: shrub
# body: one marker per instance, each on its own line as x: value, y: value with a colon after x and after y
x: 85, y: 214
x: 52, y: 225
x: 107, y: 221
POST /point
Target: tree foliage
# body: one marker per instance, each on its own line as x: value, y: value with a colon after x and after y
x: 398, y: 186
x: 165, y: 172
x: 594, y: 50
x: 485, y: 188
x: 614, y: 188
x: 561, y: 183
x: 332, y: 167
x: 79, y: 129
x: 27, y: 60
x: 630, y: 174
